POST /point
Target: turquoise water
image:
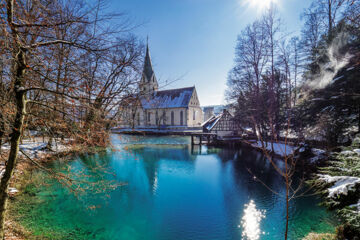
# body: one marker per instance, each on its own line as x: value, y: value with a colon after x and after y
x: 172, y: 192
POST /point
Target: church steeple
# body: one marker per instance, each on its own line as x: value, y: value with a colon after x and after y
x: 148, y: 82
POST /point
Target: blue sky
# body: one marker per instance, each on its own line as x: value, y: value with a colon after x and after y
x: 192, y: 41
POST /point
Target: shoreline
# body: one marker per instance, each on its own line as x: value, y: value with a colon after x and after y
x: 23, y: 177
x: 23, y: 180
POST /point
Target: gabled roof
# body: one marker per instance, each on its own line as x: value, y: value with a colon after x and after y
x: 173, y: 98
x: 148, y: 69
x: 212, y: 121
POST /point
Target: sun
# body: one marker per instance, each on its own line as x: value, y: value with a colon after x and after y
x: 259, y: 5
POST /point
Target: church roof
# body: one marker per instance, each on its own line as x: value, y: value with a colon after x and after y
x: 148, y: 69
x: 173, y: 98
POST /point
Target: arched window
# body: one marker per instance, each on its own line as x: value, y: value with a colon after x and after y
x: 138, y: 119
x: 194, y: 115
x: 172, y: 118
x: 181, y: 118
x: 164, y: 117
x: 149, y: 115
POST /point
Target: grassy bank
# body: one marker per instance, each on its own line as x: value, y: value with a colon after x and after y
x: 28, y: 179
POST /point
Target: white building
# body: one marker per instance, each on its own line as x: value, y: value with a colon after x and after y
x: 173, y: 108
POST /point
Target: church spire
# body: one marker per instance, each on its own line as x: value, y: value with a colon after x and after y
x: 148, y: 69
x: 148, y: 81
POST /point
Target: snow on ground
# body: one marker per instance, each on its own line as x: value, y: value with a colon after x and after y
x: 279, y: 148
x: 342, y: 184
x: 36, y: 147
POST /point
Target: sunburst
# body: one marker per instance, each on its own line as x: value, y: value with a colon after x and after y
x: 260, y: 5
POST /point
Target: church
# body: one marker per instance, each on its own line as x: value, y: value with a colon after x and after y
x: 173, y: 108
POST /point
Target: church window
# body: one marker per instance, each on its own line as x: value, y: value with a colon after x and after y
x: 149, y: 115
x: 172, y: 118
x: 194, y: 115
x: 181, y: 118
x: 138, y: 118
x: 164, y: 117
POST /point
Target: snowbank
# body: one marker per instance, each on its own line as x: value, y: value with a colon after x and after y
x: 279, y: 148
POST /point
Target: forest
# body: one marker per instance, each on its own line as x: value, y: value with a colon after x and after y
x: 304, y: 88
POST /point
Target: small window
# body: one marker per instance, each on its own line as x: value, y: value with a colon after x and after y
x: 194, y: 115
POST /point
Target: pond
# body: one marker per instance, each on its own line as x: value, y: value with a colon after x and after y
x: 171, y: 191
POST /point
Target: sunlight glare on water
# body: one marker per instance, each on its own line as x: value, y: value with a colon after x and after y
x: 250, y: 222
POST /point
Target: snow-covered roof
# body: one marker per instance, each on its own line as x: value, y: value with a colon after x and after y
x: 211, y: 122
x: 173, y: 98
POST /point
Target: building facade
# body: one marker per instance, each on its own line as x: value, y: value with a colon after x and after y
x: 173, y: 108
x: 222, y: 124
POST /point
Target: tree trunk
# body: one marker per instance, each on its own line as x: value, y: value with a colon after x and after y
x: 20, y: 99
x: 287, y: 197
x: 358, y: 117
x: 2, y: 129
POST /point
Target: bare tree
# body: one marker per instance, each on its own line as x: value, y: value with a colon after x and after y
x: 311, y: 34
x: 46, y: 41
x: 244, y: 81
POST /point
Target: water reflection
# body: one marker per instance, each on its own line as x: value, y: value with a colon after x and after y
x: 250, y: 222
x: 174, y: 191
